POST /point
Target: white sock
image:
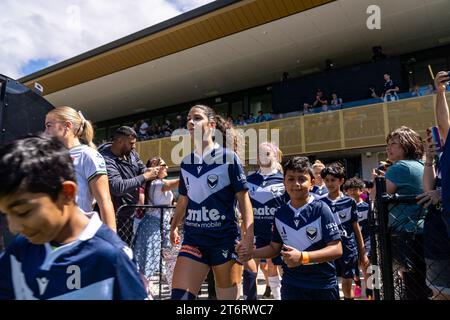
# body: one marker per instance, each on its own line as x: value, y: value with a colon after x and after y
x: 275, y: 286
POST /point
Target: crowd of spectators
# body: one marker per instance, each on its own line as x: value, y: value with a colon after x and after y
x: 320, y: 103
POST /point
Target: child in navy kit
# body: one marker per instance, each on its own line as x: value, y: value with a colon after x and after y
x: 266, y: 190
x: 61, y: 252
x: 308, y: 238
x: 211, y: 181
x: 354, y: 189
x: 344, y: 209
x: 319, y: 187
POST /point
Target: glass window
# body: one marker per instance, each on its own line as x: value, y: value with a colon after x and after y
x: 237, y: 108
x: 100, y: 135
x: 262, y: 102
x: 422, y: 74
x: 221, y: 109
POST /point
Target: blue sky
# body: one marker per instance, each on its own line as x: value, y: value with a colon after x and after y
x: 37, y: 34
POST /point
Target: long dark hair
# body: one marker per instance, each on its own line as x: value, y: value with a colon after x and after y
x: 225, y: 127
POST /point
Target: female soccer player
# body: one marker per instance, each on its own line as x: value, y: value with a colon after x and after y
x: 267, y: 194
x: 211, y: 180
x: 72, y: 129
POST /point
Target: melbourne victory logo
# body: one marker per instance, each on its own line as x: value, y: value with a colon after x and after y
x: 213, y: 179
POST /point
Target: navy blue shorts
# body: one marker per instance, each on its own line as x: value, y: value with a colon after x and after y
x: 345, y: 267
x: 262, y: 242
x: 295, y: 293
x: 211, y: 256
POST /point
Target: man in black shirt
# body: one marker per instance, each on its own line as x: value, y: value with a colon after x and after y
x: 126, y: 174
x: 320, y: 100
x: 390, y: 89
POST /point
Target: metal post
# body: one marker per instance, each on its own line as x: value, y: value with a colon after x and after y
x: 385, y: 239
x: 161, y: 231
x: 374, y: 230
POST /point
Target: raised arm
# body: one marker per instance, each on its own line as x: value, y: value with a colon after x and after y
x: 442, y: 113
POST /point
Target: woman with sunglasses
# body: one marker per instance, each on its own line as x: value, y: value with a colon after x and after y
x: 147, y: 244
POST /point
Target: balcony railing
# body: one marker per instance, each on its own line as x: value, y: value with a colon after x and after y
x: 358, y: 127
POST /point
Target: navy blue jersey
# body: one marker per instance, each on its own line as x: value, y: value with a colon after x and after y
x: 97, y: 266
x: 308, y: 228
x: 344, y: 209
x: 320, y: 191
x: 267, y: 194
x: 445, y: 172
x: 211, y: 183
x: 436, y: 240
x: 362, y: 210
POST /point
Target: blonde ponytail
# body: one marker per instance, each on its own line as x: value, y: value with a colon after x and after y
x: 82, y: 128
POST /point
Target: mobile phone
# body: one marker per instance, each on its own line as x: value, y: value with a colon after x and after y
x: 436, y: 138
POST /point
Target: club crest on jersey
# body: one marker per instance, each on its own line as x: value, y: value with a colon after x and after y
x: 311, y: 233
x: 225, y: 253
x: 296, y: 223
x: 342, y: 214
x: 199, y: 168
x: 213, y: 179
x: 42, y: 282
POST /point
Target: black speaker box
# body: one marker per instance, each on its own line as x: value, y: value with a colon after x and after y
x: 22, y: 110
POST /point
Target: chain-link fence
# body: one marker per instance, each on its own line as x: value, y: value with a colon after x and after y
x: 404, y: 272
x: 146, y: 230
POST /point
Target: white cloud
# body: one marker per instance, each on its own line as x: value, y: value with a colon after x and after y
x: 51, y: 31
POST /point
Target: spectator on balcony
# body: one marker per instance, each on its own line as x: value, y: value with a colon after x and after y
x: 306, y: 108
x: 165, y: 131
x: 153, y: 134
x: 169, y: 125
x: 271, y: 116
x: 181, y: 128
x: 143, y: 130
x: 336, y: 102
x: 261, y: 117
x: 415, y: 92
x: 136, y: 125
x: 230, y: 119
x: 429, y: 90
x: 321, y: 101
x: 240, y: 121
x: 251, y: 119
x: 390, y: 89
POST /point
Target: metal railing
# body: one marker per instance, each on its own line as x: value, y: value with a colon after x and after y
x: 399, y: 254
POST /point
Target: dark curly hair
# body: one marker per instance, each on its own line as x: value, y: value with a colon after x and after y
x: 38, y: 164
x: 299, y: 164
x: 354, y: 183
x: 335, y: 169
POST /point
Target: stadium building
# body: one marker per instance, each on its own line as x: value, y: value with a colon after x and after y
x: 268, y: 55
